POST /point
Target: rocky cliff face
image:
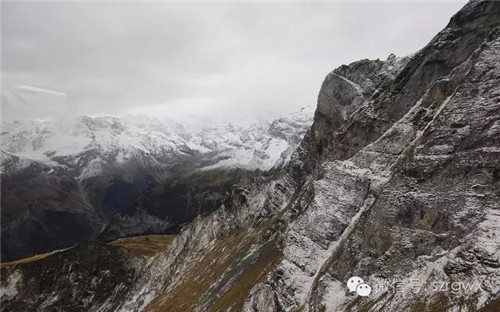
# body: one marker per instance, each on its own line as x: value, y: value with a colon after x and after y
x: 397, y: 182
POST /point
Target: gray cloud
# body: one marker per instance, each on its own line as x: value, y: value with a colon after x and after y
x: 216, y: 60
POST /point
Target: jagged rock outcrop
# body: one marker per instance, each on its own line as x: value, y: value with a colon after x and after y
x: 78, y: 279
x: 397, y: 182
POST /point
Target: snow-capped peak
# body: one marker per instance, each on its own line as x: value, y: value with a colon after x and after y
x: 258, y: 145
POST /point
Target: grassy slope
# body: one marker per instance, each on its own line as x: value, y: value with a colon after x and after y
x: 147, y: 245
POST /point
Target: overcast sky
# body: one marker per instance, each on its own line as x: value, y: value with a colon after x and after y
x: 226, y: 61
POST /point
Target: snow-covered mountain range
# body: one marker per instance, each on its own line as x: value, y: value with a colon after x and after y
x: 261, y: 145
x: 114, y: 177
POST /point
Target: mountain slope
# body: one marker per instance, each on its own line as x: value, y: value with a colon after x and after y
x: 384, y: 201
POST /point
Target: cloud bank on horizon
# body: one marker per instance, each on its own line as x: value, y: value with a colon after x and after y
x: 222, y: 61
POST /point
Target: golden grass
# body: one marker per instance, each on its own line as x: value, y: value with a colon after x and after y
x: 27, y: 260
x: 147, y: 245
x: 269, y: 256
x: 204, y: 283
x: 186, y: 295
x: 208, y: 274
